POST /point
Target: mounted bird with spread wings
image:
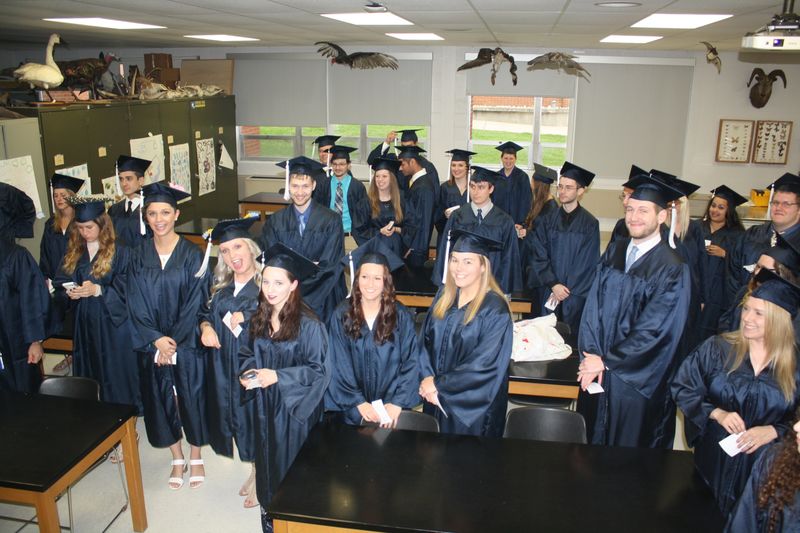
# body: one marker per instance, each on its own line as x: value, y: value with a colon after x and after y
x: 712, y: 56
x: 360, y: 60
x: 559, y: 61
x: 496, y: 57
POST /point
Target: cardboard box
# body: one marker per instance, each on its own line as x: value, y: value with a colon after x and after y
x: 217, y: 72
x: 168, y: 76
x: 152, y: 61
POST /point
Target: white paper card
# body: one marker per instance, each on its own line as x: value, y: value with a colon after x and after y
x: 729, y: 444
x: 749, y: 268
x: 551, y: 303
x: 227, y: 321
x: 382, y: 412
x: 225, y: 159
x: 594, y: 388
x: 708, y: 242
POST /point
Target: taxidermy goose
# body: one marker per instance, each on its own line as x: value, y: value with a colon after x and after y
x: 45, y: 76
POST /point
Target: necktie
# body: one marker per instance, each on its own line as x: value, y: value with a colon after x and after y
x: 631, y: 258
x: 301, y: 223
x: 480, y: 217
x: 128, y: 207
x: 339, y: 202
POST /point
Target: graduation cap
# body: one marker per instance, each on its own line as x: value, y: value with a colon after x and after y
x: 408, y: 135
x: 787, y: 183
x: 480, y: 174
x: 60, y: 181
x: 456, y: 154
x: 162, y: 192
x: 341, y: 152
x: 634, y: 172
x: 509, y: 147
x: 374, y: 251
x: 581, y: 175
x: 650, y: 189
x: 281, y: 256
x: 684, y: 186
x: 88, y: 208
x: 298, y: 165
x: 17, y: 213
x: 388, y: 162
x: 544, y: 174
x: 468, y: 242
x: 224, y: 231
x: 409, y: 152
x: 734, y: 199
x: 777, y: 290
x: 126, y: 163
x: 326, y: 140
x: 786, y: 252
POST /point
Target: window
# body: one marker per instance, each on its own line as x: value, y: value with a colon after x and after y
x: 539, y: 124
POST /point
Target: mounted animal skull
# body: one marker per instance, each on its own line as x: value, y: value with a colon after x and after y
x: 762, y: 90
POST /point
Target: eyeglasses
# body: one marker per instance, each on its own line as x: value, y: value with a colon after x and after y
x: 784, y: 205
x: 562, y: 187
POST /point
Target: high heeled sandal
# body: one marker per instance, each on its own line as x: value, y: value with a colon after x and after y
x: 196, y: 481
x: 175, y: 483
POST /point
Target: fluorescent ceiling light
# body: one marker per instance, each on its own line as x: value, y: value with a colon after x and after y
x: 416, y: 36
x: 369, y: 19
x: 222, y: 37
x: 678, y: 21
x: 106, y: 23
x: 617, y: 4
x: 630, y: 39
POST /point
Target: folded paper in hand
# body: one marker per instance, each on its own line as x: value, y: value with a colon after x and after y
x: 729, y: 444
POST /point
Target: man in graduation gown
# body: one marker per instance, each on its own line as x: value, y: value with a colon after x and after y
x: 314, y: 231
x: 784, y: 213
x: 407, y: 138
x: 482, y: 217
x: 565, y: 249
x: 342, y: 192
x: 631, y: 327
x: 24, y: 296
x: 420, y: 206
x: 512, y: 189
x: 620, y: 230
x: 324, y: 143
x: 127, y: 213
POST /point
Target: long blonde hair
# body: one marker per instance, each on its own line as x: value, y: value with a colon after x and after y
x: 780, y: 344
x: 448, y: 297
x: 105, y: 253
x: 683, y: 217
x: 223, y: 275
x: 375, y: 198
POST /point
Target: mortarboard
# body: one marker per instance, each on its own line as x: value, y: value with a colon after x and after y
x: 162, y: 192
x: 88, y: 208
x: 374, y: 251
x: 235, y: 228
x: 388, y: 162
x: 509, y: 147
x: 301, y: 165
x: 456, y: 154
x: 126, y: 163
x: 480, y: 174
x: 468, y: 242
x: 409, y: 152
x: 281, y: 256
x: 17, y: 213
x: 734, y: 199
x: 650, y: 189
x: 408, y: 135
x: 326, y: 140
x: 684, y: 186
x: 341, y: 152
x: 544, y: 174
x: 581, y: 175
x: 785, y: 252
x: 60, y: 181
x: 777, y: 290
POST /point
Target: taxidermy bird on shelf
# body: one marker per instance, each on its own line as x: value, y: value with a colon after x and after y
x: 559, y: 61
x: 712, y: 56
x: 86, y: 72
x: 496, y: 57
x: 360, y: 60
x: 762, y: 90
x: 46, y: 76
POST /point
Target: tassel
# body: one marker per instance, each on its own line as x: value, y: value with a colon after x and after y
x: 52, y: 197
x: 119, y: 187
x: 142, y: 229
x: 286, y: 182
x: 674, y: 215
x: 204, y: 266
x: 395, y: 147
x: 769, y: 202
x: 469, y: 176
x: 328, y: 168
x: 313, y: 149
x: 352, y: 274
x: 446, y: 258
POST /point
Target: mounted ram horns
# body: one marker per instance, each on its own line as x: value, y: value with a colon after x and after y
x: 762, y: 89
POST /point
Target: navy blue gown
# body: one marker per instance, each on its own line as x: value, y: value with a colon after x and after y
x: 166, y: 302
x: 449, y: 196
x: 470, y: 366
x: 373, y: 225
x: 323, y: 242
x: 418, y: 228
x: 703, y: 383
x: 496, y: 225
x: 126, y: 225
x: 285, y: 412
x: 690, y: 248
x: 565, y: 249
x: 513, y: 194
x: 23, y: 316
x: 229, y: 419
x: 402, y: 181
x: 52, y: 248
x: 634, y: 321
x: 102, y: 330
x: 712, y: 272
x: 620, y: 231
x: 530, y: 276
x: 364, y: 371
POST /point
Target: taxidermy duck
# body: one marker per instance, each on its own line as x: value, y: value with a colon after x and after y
x: 496, y: 57
x: 45, y: 76
x: 360, y: 60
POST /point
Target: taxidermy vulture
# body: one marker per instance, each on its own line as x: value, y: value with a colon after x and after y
x: 496, y: 57
x: 46, y: 76
x: 559, y: 61
x: 762, y: 90
x: 361, y: 60
x: 712, y: 56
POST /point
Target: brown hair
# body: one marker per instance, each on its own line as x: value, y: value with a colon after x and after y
x: 58, y: 215
x: 375, y: 199
x: 783, y: 480
x: 288, y: 317
x: 386, y: 320
x: 541, y: 193
x: 105, y: 254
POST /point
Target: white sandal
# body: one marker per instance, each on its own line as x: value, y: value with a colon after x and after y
x: 196, y: 479
x: 175, y: 483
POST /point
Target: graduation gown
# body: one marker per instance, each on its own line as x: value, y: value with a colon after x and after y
x: 530, y: 277
x: 357, y: 201
x: 421, y: 205
x: 712, y: 271
x: 126, y: 225
x: 634, y: 322
x: 703, y: 382
x: 373, y: 225
x: 470, y: 366
x: 746, y: 250
x: 690, y: 248
x: 322, y: 241
x: 620, y: 231
x: 229, y: 419
x: 513, y: 194
x: 732, y: 317
x: 746, y: 516
x: 364, y: 371
x: 285, y: 412
x: 23, y: 315
x: 52, y: 248
x: 497, y: 225
x: 402, y: 180
x: 165, y: 302
x: 102, y: 330
x: 449, y: 196
x: 565, y: 249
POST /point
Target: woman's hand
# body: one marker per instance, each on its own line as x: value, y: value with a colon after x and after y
x: 756, y: 437
x: 265, y: 377
x: 713, y: 249
x: 208, y: 337
x: 368, y: 413
x: 394, y: 413
x: 591, y: 368
x: 236, y: 319
x: 166, y: 347
x: 427, y: 389
x: 35, y: 353
x: 730, y: 421
x: 560, y: 292
x: 86, y: 290
x: 388, y: 229
x: 521, y: 231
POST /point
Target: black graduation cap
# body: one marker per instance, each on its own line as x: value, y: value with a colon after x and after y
x: 60, y: 181
x: 785, y: 252
x: 456, y: 154
x: 409, y: 152
x: 581, y: 175
x: 734, y: 199
x: 509, y: 147
x: 376, y: 252
x: 777, y: 290
x: 327, y: 140
x: 544, y: 174
x: 162, y: 192
x: 126, y: 163
x: 684, y: 186
x: 789, y: 182
x: 281, y: 256
x: 388, y: 162
x: 236, y: 228
x: 88, y: 208
x: 408, y: 135
x: 654, y: 190
x: 480, y: 174
x: 635, y: 171
x: 467, y: 241
x: 341, y: 152
x: 17, y: 213
x: 302, y: 165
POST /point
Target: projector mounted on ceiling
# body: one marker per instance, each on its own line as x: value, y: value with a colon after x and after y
x: 782, y: 33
